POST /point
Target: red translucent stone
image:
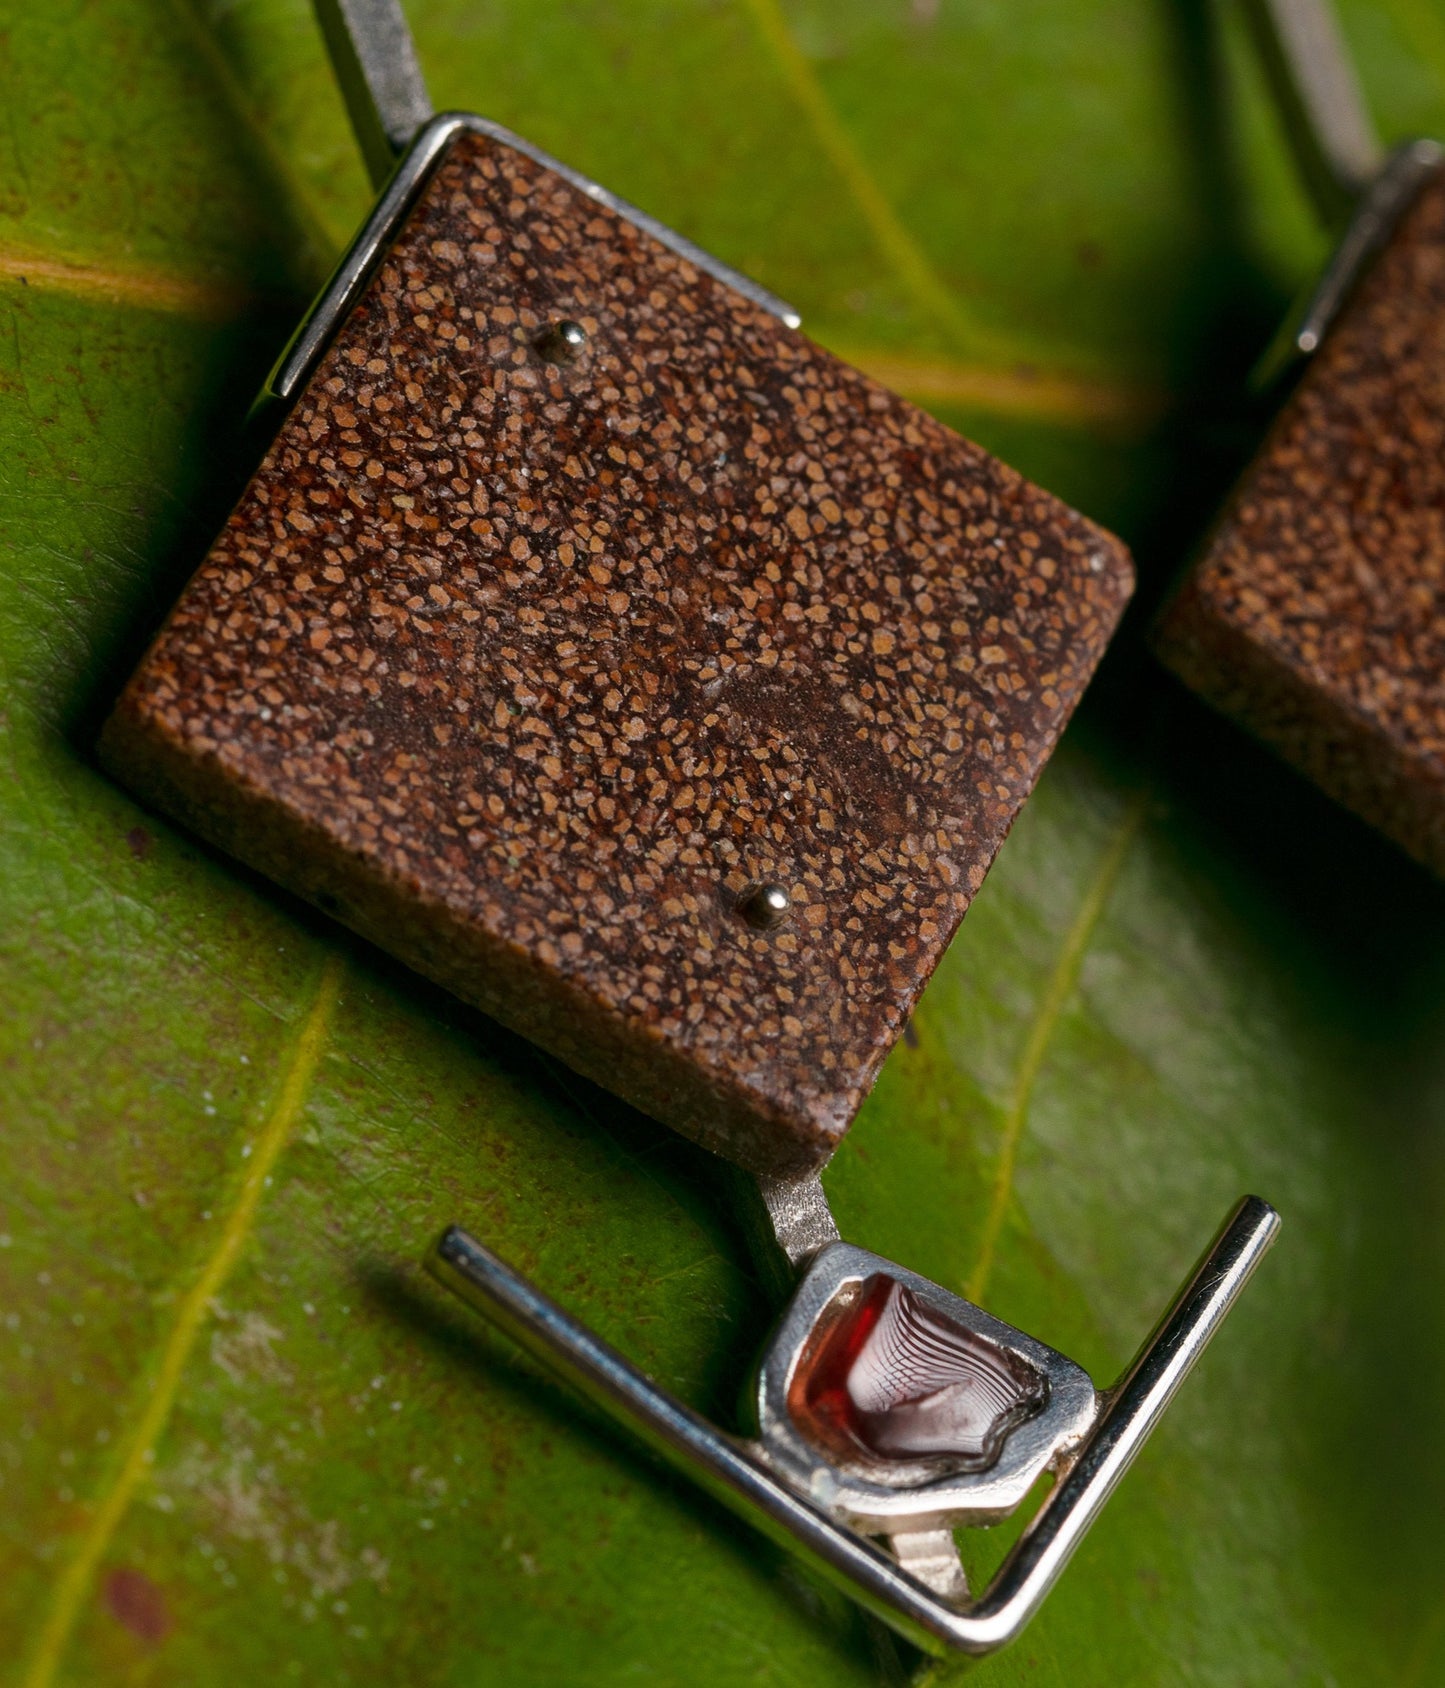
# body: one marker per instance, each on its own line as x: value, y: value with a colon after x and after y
x: 892, y: 1379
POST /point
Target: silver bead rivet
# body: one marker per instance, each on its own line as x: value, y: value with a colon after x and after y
x: 561, y: 342
x: 765, y: 906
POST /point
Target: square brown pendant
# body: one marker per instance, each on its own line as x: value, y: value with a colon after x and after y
x: 614, y: 655
x: 603, y: 648
x: 1316, y: 615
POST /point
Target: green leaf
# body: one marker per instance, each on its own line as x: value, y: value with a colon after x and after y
x: 241, y: 1437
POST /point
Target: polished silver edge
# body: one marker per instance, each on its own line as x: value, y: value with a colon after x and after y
x: 349, y: 279
x: 1375, y: 219
x: 732, y: 1471
x: 1134, y: 1406
x: 917, y: 1501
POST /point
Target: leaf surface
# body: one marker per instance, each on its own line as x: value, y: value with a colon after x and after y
x: 241, y: 1437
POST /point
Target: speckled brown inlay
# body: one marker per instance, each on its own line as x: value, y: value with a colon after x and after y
x: 532, y: 671
x: 1316, y: 616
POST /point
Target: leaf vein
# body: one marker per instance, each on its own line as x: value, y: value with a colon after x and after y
x: 138, y: 1450
x: 1058, y: 989
x: 907, y: 258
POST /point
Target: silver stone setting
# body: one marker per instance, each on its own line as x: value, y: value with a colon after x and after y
x: 890, y: 1497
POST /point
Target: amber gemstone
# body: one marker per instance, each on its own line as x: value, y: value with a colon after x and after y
x: 892, y: 1379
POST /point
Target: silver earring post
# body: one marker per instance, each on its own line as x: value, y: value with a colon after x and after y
x: 834, y: 1509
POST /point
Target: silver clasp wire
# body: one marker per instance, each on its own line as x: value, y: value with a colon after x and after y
x: 913, y: 1589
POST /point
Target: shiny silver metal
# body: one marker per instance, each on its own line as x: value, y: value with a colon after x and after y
x: 797, y: 1211
x: 906, y: 1497
x: 819, y: 1509
x: 931, y: 1556
x: 1341, y: 160
x: 1380, y: 208
x: 348, y: 280
x: 402, y: 142
x: 766, y: 906
x: 562, y: 342
x: 787, y: 1221
x: 1315, y: 84
x: 375, y: 61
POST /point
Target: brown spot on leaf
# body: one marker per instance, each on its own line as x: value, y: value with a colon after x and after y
x: 139, y: 841
x: 138, y: 1603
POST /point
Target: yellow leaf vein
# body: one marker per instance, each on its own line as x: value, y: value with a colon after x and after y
x: 910, y: 263
x: 1057, y: 991
x: 137, y: 1452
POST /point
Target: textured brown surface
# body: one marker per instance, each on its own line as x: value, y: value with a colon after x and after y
x: 1317, y: 614
x: 530, y: 671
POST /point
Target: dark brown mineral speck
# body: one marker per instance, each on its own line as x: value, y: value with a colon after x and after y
x: 533, y: 668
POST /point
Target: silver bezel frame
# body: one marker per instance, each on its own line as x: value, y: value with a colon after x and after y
x: 376, y: 235
x: 739, y: 1474
x: 913, y: 1500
